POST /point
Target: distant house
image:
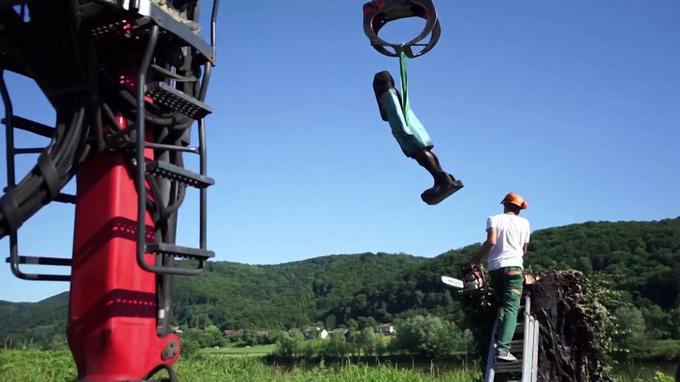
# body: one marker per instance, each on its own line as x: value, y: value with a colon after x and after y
x: 262, y: 333
x: 323, y: 334
x: 339, y: 332
x: 387, y: 329
x: 315, y: 332
x: 232, y: 332
x: 294, y: 331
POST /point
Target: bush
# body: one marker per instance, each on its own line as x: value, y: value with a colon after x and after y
x: 288, y: 346
x: 431, y: 337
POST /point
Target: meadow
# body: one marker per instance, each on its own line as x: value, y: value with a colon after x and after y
x: 209, y: 365
x: 57, y: 366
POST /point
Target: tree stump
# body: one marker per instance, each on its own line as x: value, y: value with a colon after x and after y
x: 570, y: 345
x: 573, y: 343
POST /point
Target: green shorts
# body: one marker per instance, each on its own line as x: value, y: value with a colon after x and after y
x: 406, y: 128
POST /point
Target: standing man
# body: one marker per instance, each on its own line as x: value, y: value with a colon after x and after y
x: 507, y: 236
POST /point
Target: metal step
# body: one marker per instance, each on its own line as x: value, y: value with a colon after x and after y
x: 178, y: 251
x: 502, y: 367
x: 136, y: 24
x: 172, y: 172
x: 524, y: 345
x: 166, y: 96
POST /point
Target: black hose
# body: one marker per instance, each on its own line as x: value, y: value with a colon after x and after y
x: 32, y: 192
x: 174, y: 76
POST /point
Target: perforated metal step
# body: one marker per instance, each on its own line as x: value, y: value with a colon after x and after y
x: 135, y: 25
x: 179, y: 174
x: 165, y: 96
x: 179, y: 251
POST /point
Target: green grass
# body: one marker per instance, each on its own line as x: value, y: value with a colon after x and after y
x: 241, y: 351
x: 51, y: 366
x: 212, y: 368
x: 36, y: 365
x: 208, y: 366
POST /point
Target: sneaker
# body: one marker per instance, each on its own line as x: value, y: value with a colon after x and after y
x: 504, y: 355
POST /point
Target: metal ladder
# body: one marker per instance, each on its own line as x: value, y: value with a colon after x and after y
x: 526, y: 367
x: 13, y: 122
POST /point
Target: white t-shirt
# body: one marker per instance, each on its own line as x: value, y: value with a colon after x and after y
x: 512, y: 232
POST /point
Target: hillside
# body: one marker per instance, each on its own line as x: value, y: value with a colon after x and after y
x: 642, y: 259
x: 234, y: 295
x: 39, y: 320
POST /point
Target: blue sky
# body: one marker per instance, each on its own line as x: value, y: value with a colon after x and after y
x: 575, y: 105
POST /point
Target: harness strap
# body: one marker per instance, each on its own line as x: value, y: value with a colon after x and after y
x: 404, y: 79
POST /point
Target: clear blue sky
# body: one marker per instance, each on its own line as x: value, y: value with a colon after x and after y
x: 574, y: 104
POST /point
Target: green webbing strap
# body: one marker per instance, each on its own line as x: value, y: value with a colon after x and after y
x: 404, y: 80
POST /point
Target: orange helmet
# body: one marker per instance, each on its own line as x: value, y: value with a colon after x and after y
x: 512, y: 198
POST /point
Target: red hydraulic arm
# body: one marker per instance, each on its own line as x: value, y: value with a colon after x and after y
x: 113, y: 302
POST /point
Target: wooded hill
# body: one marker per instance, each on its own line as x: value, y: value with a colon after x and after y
x: 642, y: 259
x: 232, y: 295
x: 639, y: 259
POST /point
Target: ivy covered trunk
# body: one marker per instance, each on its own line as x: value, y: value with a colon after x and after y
x: 575, y: 326
x: 573, y: 337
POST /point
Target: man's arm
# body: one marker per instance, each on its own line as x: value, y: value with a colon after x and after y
x: 486, y: 247
x: 526, y: 246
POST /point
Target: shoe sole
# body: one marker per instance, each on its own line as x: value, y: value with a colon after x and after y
x: 431, y: 197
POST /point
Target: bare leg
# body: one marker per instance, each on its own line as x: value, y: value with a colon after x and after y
x: 430, y: 162
x: 444, y: 183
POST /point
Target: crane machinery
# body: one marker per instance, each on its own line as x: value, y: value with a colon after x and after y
x: 127, y: 80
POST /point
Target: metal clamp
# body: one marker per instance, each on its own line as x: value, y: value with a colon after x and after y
x: 377, y: 13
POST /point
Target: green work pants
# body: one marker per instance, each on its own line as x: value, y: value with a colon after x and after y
x: 507, y: 285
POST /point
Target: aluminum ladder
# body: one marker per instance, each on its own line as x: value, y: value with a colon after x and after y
x: 525, y: 369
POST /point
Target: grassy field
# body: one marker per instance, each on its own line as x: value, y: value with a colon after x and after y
x: 50, y: 366
x: 242, y: 351
x: 241, y: 364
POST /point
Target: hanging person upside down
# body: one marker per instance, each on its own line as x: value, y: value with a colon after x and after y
x: 412, y: 137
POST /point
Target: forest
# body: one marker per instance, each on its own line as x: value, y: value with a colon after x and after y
x: 638, y: 261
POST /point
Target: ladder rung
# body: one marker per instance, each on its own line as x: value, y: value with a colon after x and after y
x: 179, y: 174
x: 31, y: 126
x: 179, y: 251
x: 159, y: 146
x: 65, y: 198
x: 28, y: 150
x: 36, y: 260
x: 516, y: 345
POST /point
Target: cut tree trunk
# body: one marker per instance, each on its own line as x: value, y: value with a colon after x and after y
x: 569, y: 348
